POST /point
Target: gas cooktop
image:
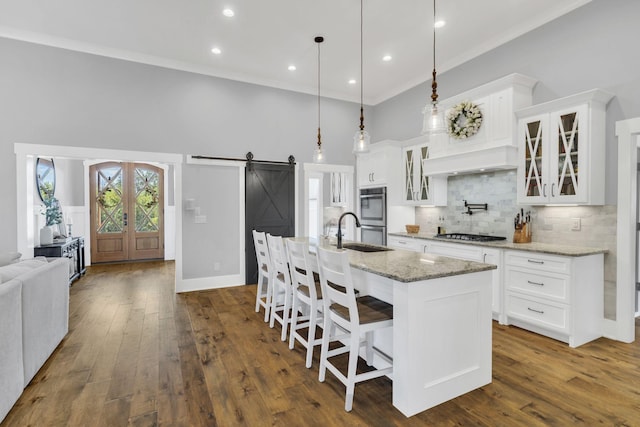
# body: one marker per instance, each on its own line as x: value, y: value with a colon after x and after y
x: 470, y: 237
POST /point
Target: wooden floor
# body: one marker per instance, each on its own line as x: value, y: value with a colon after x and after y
x: 138, y: 354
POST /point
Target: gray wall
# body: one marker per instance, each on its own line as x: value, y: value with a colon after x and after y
x: 211, y: 249
x: 594, y: 46
x: 59, y: 97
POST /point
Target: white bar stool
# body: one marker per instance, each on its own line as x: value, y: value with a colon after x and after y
x: 307, y: 298
x: 282, y: 292
x: 353, y: 317
x: 265, y: 281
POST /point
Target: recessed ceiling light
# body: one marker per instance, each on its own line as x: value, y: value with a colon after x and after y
x: 352, y: 81
x: 216, y: 51
x: 386, y: 58
x: 439, y: 24
x: 291, y: 68
x: 228, y: 13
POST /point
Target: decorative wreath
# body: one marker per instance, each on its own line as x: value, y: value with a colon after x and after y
x: 464, y: 120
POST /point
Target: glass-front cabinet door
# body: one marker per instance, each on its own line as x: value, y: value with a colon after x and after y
x: 568, y: 161
x: 416, y: 183
x: 534, y: 159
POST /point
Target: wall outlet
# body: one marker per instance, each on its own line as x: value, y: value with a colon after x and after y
x: 576, y: 224
x: 216, y: 266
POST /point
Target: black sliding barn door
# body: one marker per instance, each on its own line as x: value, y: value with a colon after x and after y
x: 269, y: 206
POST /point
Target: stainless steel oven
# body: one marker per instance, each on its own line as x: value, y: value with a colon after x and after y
x: 373, y: 234
x: 373, y: 215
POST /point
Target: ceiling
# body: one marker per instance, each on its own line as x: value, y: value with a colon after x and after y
x: 266, y: 36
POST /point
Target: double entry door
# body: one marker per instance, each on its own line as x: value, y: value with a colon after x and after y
x: 127, y: 217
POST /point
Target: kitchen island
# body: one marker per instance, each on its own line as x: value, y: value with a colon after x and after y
x: 441, y: 336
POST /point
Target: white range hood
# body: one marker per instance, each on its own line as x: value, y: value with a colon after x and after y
x: 494, y: 147
x: 487, y: 159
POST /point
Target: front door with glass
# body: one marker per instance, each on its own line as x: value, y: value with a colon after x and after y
x: 126, y: 212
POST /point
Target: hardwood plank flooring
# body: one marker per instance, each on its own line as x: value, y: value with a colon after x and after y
x: 138, y: 354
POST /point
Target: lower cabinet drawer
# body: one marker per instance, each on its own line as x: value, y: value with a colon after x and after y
x: 535, y: 312
x: 538, y: 284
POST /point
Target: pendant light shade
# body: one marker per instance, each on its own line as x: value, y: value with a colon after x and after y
x: 318, y: 155
x: 361, y: 140
x: 433, y: 115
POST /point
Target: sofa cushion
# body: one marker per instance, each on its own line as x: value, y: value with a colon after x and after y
x: 12, y: 271
x: 7, y: 258
x: 11, y: 362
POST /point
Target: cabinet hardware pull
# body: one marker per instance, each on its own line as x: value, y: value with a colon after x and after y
x: 552, y: 185
x: 535, y: 261
x: 544, y: 190
x: 484, y: 258
x: 402, y: 243
x: 535, y: 311
x: 535, y: 283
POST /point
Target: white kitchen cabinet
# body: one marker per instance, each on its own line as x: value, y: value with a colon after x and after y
x: 407, y: 243
x: 372, y: 169
x: 339, y: 192
x: 562, y: 150
x: 556, y: 296
x: 418, y: 188
x: 379, y: 167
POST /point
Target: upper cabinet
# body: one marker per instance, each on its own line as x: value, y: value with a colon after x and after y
x: 379, y: 167
x: 372, y: 169
x: 338, y: 194
x: 418, y: 188
x: 562, y: 150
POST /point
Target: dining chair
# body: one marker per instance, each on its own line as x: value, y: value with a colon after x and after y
x: 351, y: 317
x: 265, y: 280
x: 306, y: 310
x: 282, y: 292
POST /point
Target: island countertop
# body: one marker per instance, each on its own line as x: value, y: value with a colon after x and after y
x: 408, y: 266
x: 547, y: 248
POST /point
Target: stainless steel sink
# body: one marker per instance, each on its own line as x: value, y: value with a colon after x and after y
x: 362, y: 247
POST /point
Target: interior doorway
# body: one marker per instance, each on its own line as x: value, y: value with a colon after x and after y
x: 269, y: 206
x: 126, y: 211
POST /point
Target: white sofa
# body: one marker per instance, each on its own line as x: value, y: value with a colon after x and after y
x: 34, y: 318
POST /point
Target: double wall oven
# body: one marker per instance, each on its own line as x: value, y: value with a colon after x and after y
x: 373, y: 215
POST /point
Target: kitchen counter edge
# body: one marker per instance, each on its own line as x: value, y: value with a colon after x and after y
x: 547, y: 248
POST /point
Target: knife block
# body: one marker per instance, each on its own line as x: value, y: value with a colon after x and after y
x: 522, y: 234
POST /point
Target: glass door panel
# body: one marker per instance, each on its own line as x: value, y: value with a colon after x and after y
x: 408, y: 175
x: 424, y: 180
x: 567, y: 174
x: 534, y: 165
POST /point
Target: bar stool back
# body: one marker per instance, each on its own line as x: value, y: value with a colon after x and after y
x: 353, y: 317
x: 265, y: 282
x: 282, y: 292
x: 306, y: 309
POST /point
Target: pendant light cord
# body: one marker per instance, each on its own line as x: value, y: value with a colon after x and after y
x: 434, y: 84
x: 319, y: 40
x: 361, y: 83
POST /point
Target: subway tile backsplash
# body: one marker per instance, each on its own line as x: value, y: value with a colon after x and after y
x: 497, y: 189
x: 550, y: 224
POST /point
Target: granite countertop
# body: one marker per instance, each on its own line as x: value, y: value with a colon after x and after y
x: 408, y: 266
x: 546, y: 248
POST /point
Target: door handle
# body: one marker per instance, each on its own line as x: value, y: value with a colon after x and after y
x: 552, y: 185
x: 124, y: 218
x: 544, y: 190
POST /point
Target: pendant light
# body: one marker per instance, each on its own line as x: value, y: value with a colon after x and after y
x: 433, y: 116
x: 361, y: 139
x: 318, y: 155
